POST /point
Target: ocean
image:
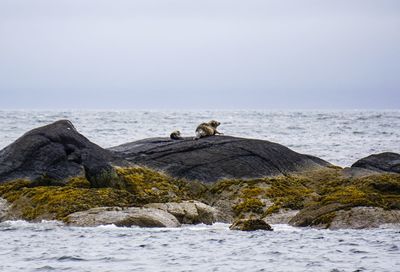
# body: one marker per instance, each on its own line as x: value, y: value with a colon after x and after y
x: 340, y: 137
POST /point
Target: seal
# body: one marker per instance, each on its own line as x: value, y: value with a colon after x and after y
x: 176, y: 135
x: 207, y: 129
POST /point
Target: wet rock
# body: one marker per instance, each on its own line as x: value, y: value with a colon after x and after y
x: 123, y: 217
x: 364, y: 218
x: 212, y: 158
x: 250, y: 225
x: 55, y: 153
x: 387, y: 162
x: 188, y: 212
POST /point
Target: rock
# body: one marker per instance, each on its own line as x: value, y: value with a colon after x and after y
x: 364, y: 218
x: 4, y: 207
x: 123, y: 217
x: 340, y: 216
x: 188, y: 212
x: 212, y: 158
x: 387, y: 162
x: 55, y: 152
x: 356, y: 172
x: 250, y: 225
x: 281, y: 217
x: 319, y: 216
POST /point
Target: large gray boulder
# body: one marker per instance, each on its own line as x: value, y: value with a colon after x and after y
x: 217, y: 157
x: 55, y: 152
x: 364, y: 218
x: 188, y: 212
x: 386, y: 162
x: 123, y: 217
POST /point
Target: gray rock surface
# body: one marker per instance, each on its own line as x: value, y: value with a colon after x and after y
x: 387, y: 162
x: 281, y: 217
x: 55, y: 152
x: 4, y: 207
x: 188, y: 212
x: 364, y: 218
x: 250, y: 225
x: 216, y: 157
x: 123, y: 217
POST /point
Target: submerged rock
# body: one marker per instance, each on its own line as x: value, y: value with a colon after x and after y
x: 212, y: 158
x: 188, y: 212
x: 250, y: 225
x: 123, y: 217
x: 387, y: 162
x: 55, y: 152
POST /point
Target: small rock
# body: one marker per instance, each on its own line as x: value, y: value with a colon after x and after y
x: 250, y: 225
x: 123, y: 217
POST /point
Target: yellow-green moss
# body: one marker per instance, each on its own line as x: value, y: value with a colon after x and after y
x: 151, y: 186
x: 288, y: 192
x: 54, y: 202
x: 249, y: 205
x: 10, y: 188
x: 78, y: 182
x: 325, y: 219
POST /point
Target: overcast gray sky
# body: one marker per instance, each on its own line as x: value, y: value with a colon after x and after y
x: 214, y: 54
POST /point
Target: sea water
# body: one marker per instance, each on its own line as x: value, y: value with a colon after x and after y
x: 340, y: 137
x: 50, y: 246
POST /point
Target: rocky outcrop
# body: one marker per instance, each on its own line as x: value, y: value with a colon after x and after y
x: 250, y: 225
x: 386, y: 162
x: 217, y: 157
x: 335, y: 216
x: 364, y: 218
x: 55, y: 152
x: 188, y: 212
x: 123, y: 217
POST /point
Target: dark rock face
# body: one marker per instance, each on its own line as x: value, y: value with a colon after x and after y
x: 54, y: 152
x: 387, y: 162
x: 250, y: 225
x: 216, y: 157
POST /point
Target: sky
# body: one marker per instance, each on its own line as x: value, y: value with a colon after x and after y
x: 209, y: 54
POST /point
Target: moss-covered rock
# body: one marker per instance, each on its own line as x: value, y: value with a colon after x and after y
x: 320, y: 195
x: 55, y: 202
x: 250, y: 225
x: 134, y: 186
x: 150, y: 186
x: 342, y: 193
